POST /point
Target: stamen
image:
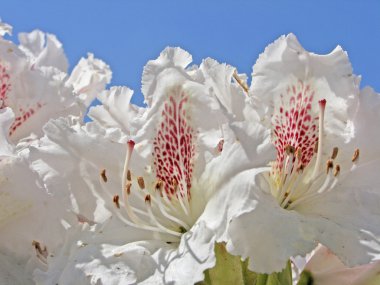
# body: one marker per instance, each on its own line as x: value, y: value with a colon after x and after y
x: 289, y: 149
x: 334, y: 153
x: 175, y: 184
x: 337, y: 170
x: 159, y: 186
x: 128, y: 188
x: 240, y: 82
x: 130, y: 146
x: 316, y: 147
x: 103, y: 175
x: 300, y: 168
x: 329, y: 165
x: 355, y: 157
x: 116, y: 201
x: 140, y: 181
x: 299, y: 154
x: 148, y: 199
x: 129, y: 176
x: 169, y: 216
x: 322, y: 106
x: 154, y: 219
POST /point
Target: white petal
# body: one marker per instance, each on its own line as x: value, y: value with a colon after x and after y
x: 351, y: 210
x: 169, y: 57
x: 367, y: 136
x: 327, y: 269
x: 285, y: 62
x: 119, y: 256
x: 12, y: 273
x: 5, y: 29
x: 89, y: 78
x: 267, y: 234
x: 116, y: 110
x: 6, y: 120
x: 219, y: 77
x: 45, y: 49
x: 26, y: 210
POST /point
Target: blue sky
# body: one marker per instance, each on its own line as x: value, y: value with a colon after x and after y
x: 126, y: 34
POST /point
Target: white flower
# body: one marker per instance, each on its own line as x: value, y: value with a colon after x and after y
x: 35, y: 85
x: 149, y: 216
x: 24, y: 205
x: 323, y: 184
x: 33, y: 89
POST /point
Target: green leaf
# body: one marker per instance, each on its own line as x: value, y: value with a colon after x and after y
x: 230, y: 269
x: 278, y: 278
x: 306, y: 278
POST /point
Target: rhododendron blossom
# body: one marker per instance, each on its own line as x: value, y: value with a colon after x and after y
x: 322, y: 186
x: 146, y: 212
x: 213, y: 181
x: 34, y: 87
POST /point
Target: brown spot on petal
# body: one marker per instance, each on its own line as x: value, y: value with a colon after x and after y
x: 40, y: 250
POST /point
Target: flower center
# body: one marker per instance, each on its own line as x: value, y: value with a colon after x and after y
x: 298, y: 174
x: 161, y: 202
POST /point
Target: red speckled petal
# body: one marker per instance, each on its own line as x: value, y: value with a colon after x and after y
x: 174, y: 144
x: 295, y: 123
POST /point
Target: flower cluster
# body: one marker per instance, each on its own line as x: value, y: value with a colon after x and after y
x: 213, y: 181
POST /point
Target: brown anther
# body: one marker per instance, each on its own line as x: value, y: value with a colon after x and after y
x: 41, y: 251
x: 299, y: 154
x: 141, y: 182
x: 356, y: 155
x: 329, y: 165
x: 116, y: 201
x: 300, y: 167
x: 336, y: 170
x: 334, y: 153
x: 148, y: 199
x: 103, y: 175
x: 175, y: 184
x: 316, y: 147
x: 159, y: 185
x: 129, y: 176
x: 289, y: 149
x: 127, y: 188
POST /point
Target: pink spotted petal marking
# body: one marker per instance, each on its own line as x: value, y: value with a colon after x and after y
x: 174, y: 145
x: 5, y: 86
x: 295, y: 124
x: 22, y: 114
